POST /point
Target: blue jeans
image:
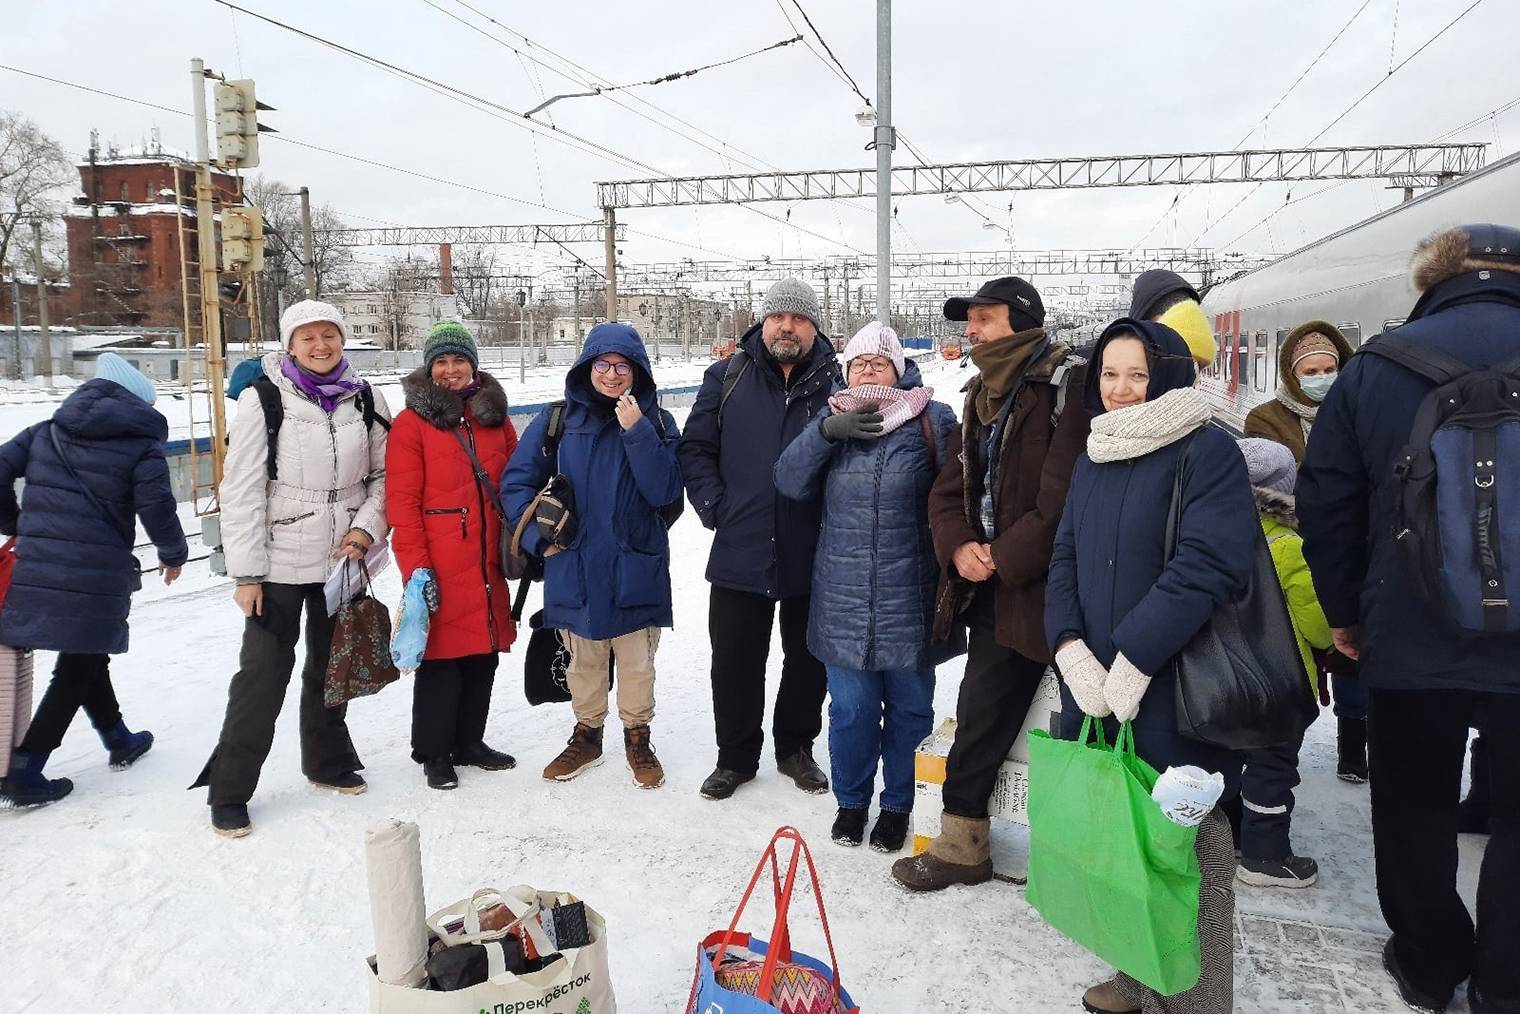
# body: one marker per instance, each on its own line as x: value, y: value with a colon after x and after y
x: 1350, y: 696
x: 877, y: 716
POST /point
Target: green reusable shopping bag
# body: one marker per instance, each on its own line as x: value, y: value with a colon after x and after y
x: 1106, y: 866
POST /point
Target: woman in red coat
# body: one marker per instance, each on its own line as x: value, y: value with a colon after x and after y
x: 443, y: 520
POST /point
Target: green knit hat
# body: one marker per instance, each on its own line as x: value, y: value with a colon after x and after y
x: 449, y: 338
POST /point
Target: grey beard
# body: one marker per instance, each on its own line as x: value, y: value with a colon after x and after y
x: 790, y: 354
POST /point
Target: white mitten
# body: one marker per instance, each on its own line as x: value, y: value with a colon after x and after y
x: 1084, y: 676
x: 1125, y: 686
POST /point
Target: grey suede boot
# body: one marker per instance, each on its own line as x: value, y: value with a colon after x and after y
x: 962, y: 854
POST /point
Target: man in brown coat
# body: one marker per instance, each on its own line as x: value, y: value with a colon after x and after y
x: 993, y: 513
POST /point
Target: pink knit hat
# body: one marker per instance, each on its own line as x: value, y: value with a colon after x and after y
x: 876, y: 339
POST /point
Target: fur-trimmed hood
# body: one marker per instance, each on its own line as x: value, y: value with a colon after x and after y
x: 443, y: 409
x: 1280, y: 507
x: 1446, y: 255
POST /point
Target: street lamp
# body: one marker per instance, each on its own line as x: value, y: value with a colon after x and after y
x: 278, y: 276
x: 522, y: 348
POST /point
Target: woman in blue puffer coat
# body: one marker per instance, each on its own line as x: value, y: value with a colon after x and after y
x: 1119, y: 607
x: 874, y: 454
x: 90, y: 471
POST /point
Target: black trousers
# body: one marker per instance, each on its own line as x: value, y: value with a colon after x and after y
x: 451, y: 698
x: 1266, y: 801
x: 996, y: 692
x: 1417, y: 740
x: 257, y: 693
x: 739, y: 625
x: 79, y: 681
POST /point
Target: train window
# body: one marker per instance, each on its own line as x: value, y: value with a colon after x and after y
x: 1389, y: 325
x: 1259, y: 361
x: 1352, y: 332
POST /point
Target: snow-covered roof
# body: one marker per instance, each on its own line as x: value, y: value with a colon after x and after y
x: 113, y: 209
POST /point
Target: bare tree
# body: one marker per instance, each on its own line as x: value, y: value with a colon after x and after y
x: 475, y: 279
x: 32, y: 169
x: 397, y: 284
x: 334, y: 263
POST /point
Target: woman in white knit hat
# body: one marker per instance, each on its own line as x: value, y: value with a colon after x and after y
x: 873, y: 455
x: 294, y: 498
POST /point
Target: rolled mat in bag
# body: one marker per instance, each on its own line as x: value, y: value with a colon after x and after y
x: 15, y: 701
x: 393, y: 855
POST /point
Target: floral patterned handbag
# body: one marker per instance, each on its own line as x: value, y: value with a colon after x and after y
x: 360, y: 662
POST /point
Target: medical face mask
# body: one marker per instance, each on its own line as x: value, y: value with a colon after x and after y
x: 1315, y: 388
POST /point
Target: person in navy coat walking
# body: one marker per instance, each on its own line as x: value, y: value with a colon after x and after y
x: 872, y: 455
x: 90, y: 471
x: 1120, y: 606
x: 607, y: 585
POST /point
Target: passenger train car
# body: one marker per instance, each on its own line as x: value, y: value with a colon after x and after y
x: 1357, y: 279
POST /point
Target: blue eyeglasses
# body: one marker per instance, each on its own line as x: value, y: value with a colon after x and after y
x: 602, y: 366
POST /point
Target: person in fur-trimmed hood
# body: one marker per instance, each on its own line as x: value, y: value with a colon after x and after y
x: 1307, y: 362
x: 445, y: 520
x: 1427, y: 683
x: 1270, y: 775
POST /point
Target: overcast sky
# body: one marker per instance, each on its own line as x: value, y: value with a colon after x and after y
x: 971, y: 81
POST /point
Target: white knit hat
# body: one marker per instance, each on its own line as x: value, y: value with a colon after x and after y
x: 308, y: 311
x: 110, y: 366
x: 876, y: 339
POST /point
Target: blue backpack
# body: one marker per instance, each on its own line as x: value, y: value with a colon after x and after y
x: 1457, y: 482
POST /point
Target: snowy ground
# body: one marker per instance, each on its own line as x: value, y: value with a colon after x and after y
x: 121, y: 897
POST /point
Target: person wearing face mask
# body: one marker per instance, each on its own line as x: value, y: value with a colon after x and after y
x: 1308, y: 361
x: 1118, y: 610
x: 1307, y: 364
x: 444, y: 520
x: 291, y: 504
x: 607, y: 589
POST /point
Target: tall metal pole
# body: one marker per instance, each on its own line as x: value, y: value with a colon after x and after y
x: 306, y: 237
x: 886, y: 140
x: 211, y: 310
x: 609, y: 240
x: 42, y: 307
x: 522, y: 347
x: 16, y: 315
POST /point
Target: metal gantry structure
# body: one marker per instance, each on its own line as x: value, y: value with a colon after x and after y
x: 1428, y: 164
x: 462, y: 235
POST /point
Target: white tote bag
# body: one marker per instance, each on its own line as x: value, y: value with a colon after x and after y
x: 577, y: 984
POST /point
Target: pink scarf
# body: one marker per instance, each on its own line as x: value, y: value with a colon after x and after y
x: 897, y: 405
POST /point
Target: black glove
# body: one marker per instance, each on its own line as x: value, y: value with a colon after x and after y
x: 430, y: 594
x: 863, y: 423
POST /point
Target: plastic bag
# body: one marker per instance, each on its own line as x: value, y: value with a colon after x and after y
x: 412, y: 618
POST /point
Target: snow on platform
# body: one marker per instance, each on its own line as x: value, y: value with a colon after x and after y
x: 122, y: 896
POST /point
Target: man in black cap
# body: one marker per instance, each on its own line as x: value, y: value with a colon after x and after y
x: 1427, y: 681
x: 993, y: 513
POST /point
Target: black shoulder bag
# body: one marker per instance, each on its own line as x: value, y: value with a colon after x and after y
x: 1241, y: 682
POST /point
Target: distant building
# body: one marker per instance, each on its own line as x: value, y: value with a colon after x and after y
x: 393, y: 319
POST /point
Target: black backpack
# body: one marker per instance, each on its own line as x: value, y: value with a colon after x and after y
x: 274, y: 415
x: 1457, y: 486
x: 554, y: 429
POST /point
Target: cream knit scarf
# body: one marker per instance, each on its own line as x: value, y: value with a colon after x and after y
x: 1305, y: 413
x: 1140, y: 429
x: 897, y: 406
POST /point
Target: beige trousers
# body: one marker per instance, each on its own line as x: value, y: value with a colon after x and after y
x: 587, y: 676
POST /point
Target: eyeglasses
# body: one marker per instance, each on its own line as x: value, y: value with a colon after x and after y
x: 621, y: 369
x: 859, y: 365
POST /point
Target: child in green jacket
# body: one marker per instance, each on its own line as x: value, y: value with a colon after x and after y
x: 1269, y: 776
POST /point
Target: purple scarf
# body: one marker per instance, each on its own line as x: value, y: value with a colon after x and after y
x: 316, y: 386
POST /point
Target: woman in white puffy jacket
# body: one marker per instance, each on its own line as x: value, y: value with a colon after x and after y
x: 282, y: 529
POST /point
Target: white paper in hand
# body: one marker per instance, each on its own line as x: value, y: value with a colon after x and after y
x: 347, y: 580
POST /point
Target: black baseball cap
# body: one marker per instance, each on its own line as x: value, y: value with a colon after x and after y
x: 1023, y: 301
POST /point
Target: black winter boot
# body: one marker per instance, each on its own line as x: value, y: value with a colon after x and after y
x: 125, y: 745
x: 26, y: 786
x: 849, y: 826
x: 1351, y: 739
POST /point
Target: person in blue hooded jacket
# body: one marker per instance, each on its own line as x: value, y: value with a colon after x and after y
x: 607, y: 585
x: 1118, y: 609
x: 90, y: 471
x: 872, y: 455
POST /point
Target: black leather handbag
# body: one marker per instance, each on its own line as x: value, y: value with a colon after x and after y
x: 1241, y: 682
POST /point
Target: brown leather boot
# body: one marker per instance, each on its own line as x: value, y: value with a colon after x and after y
x: 1105, y: 998
x: 962, y: 854
x: 647, y: 772
x: 583, y: 752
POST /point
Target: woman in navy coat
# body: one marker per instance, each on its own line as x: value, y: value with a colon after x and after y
x: 90, y: 471
x: 1117, y: 609
x: 873, y: 455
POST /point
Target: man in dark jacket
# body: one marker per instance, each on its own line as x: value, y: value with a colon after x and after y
x: 1427, y: 685
x: 750, y: 407
x: 993, y: 512
x: 1168, y: 298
